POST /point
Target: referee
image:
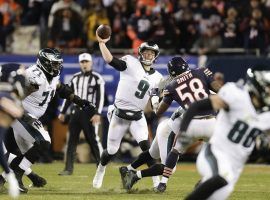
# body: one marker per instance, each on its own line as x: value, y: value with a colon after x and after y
x: 87, y: 85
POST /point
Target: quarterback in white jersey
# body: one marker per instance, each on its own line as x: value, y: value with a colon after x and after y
x: 243, y: 115
x: 30, y: 136
x: 135, y: 85
x: 138, y: 84
x: 166, y: 130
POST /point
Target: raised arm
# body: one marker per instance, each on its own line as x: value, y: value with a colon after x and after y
x: 116, y: 63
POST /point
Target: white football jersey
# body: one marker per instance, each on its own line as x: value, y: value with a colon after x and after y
x: 134, y: 85
x: 237, y: 128
x: 37, y: 102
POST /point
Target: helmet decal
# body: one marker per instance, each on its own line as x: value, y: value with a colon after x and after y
x: 50, y: 60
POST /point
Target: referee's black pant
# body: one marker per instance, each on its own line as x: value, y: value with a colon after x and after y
x: 79, y: 120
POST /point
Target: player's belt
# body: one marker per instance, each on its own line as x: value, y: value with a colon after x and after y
x: 205, y: 117
x: 128, y: 114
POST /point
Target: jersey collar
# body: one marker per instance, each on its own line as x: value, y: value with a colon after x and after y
x: 151, y: 71
x: 87, y: 73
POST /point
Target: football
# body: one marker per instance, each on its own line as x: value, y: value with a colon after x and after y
x: 104, y: 31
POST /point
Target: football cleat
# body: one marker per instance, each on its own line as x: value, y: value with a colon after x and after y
x: 123, y: 172
x: 98, y: 179
x: 19, y: 175
x: 130, y: 179
x: 65, y: 173
x: 160, y: 188
x: 37, y: 181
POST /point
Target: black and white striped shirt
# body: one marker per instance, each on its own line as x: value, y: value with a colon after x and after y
x: 89, y: 86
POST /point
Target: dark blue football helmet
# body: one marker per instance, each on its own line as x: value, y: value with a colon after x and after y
x: 177, y: 66
x: 12, y: 75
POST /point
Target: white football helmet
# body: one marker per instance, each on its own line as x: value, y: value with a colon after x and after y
x: 150, y: 46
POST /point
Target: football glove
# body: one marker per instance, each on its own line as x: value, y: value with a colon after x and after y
x: 154, y: 92
x: 155, y: 103
x: 29, y: 119
x: 86, y: 106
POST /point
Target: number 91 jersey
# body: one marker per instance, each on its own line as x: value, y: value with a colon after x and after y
x: 134, y: 85
x: 37, y: 102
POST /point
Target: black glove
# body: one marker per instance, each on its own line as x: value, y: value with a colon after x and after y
x: 87, y: 106
x: 32, y: 121
x: 37, y: 124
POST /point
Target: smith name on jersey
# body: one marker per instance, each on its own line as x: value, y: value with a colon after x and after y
x: 190, y: 86
x: 37, y: 102
x: 135, y: 84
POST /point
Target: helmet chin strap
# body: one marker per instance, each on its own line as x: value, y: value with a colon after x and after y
x: 146, y: 67
x: 147, y: 62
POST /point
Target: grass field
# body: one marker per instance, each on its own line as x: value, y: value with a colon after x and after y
x: 254, y: 184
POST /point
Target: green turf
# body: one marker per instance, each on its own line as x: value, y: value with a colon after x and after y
x: 253, y: 184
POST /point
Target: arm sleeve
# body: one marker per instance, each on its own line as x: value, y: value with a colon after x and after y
x: 167, y: 96
x: 64, y: 91
x: 66, y: 103
x: 208, y: 75
x: 100, y: 94
x: 118, y: 64
x: 194, y: 108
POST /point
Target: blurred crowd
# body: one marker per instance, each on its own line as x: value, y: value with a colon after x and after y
x: 192, y: 26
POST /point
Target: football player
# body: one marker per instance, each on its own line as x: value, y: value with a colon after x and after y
x: 138, y: 79
x: 30, y: 136
x: 186, y: 87
x: 7, y: 71
x: 243, y: 115
x: 12, y: 83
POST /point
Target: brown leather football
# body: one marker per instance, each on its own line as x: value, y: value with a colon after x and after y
x: 104, y: 31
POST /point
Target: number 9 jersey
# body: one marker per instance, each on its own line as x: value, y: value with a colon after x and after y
x: 135, y: 84
x: 37, y: 102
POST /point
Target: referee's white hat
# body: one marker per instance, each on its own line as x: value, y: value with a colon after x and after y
x: 85, y: 56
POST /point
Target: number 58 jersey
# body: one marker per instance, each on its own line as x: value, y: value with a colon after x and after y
x: 190, y: 86
x: 237, y: 128
x: 135, y: 84
x: 37, y: 102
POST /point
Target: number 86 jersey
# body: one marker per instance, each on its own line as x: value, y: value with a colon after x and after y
x: 134, y: 85
x: 37, y: 102
x: 237, y: 128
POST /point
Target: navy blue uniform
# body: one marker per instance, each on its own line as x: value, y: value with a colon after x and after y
x: 6, y: 69
x: 188, y: 87
x: 5, y: 86
x: 8, y: 104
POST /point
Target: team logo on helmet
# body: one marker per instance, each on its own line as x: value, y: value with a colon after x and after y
x: 50, y: 60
